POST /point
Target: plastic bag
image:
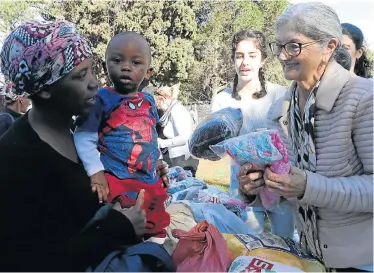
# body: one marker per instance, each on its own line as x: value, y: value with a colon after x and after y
x: 273, y: 248
x: 202, y: 249
x: 234, y: 205
x: 185, y: 190
x: 177, y: 174
x: 220, y: 217
x: 258, y: 148
x: 217, y: 127
x: 181, y: 217
x: 257, y: 264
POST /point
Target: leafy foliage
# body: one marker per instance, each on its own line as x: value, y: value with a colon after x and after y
x: 169, y: 26
x: 217, y: 22
x: 13, y: 12
x: 190, y: 40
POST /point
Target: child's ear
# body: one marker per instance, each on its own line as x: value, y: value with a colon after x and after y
x: 175, y: 90
x: 148, y: 75
x: 149, y: 72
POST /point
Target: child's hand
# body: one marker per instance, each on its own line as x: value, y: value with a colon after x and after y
x: 100, y: 185
x: 165, y: 181
x: 162, y: 171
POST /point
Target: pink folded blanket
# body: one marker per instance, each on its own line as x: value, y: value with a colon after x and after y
x: 258, y: 148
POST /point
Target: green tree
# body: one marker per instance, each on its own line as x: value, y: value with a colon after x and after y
x: 217, y: 22
x: 169, y: 26
x: 270, y: 11
x: 210, y: 72
x: 190, y: 40
x: 14, y: 12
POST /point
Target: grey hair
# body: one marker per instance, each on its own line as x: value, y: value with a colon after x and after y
x: 315, y: 20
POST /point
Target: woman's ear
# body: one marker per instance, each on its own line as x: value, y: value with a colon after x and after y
x: 331, y: 47
x: 263, y: 61
x: 360, y: 52
x: 25, y: 104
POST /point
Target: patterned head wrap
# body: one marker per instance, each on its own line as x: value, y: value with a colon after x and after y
x: 37, y: 54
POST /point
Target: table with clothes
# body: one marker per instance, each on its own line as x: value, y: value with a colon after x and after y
x: 211, y: 229
x: 208, y: 232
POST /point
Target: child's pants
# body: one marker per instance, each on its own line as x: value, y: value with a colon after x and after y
x: 154, y: 197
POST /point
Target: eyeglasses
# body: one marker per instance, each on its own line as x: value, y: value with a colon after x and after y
x: 292, y: 49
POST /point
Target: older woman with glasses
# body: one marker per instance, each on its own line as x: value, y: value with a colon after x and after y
x: 326, y: 120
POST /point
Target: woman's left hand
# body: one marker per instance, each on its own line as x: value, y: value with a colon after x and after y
x: 287, y: 185
x: 162, y: 143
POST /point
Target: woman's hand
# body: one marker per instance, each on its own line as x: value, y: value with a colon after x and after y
x: 251, y: 180
x: 162, y: 170
x: 135, y: 214
x: 162, y: 143
x: 287, y: 185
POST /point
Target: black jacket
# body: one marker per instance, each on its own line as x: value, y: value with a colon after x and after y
x: 6, y: 120
x: 45, y: 202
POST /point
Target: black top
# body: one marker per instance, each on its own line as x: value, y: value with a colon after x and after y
x: 45, y: 201
x: 6, y: 120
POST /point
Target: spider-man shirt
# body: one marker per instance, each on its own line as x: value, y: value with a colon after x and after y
x: 127, y: 134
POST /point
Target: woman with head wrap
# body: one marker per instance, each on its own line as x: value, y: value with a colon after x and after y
x: 45, y: 194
